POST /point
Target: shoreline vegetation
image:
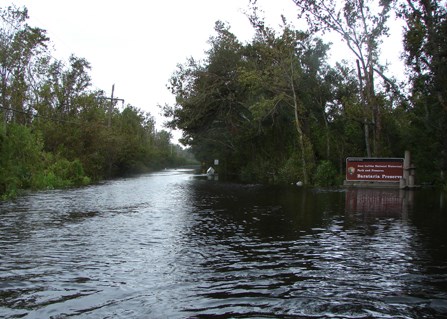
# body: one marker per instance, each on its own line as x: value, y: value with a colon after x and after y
x: 271, y: 110
x: 274, y: 110
x: 55, y: 130
x: 26, y: 165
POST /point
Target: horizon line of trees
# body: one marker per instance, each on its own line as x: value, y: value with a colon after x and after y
x: 55, y: 130
x: 274, y: 110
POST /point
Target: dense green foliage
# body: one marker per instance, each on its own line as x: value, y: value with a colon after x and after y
x: 55, y: 131
x: 273, y: 110
x: 425, y: 45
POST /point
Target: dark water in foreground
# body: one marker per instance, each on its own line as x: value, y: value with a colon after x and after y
x: 174, y: 245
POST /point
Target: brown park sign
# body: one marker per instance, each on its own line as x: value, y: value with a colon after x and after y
x: 374, y: 169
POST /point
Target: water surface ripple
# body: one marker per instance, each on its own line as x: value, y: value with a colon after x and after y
x: 176, y: 245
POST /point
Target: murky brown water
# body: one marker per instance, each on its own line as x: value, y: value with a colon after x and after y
x: 176, y: 245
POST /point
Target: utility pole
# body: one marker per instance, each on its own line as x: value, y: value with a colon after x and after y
x: 109, y: 123
x: 112, y: 102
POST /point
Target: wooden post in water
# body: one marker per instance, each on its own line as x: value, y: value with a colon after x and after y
x: 409, y: 171
x: 406, y: 168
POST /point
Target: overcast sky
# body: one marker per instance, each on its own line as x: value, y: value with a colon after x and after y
x: 137, y: 44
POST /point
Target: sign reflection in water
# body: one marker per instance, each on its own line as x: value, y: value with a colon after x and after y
x: 379, y: 201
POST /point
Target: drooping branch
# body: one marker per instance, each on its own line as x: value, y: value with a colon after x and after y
x: 394, y: 86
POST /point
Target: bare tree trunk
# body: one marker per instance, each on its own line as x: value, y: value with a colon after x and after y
x: 377, y: 117
x: 328, y: 142
x: 365, y: 118
x: 301, y: 141
x: 298, y: 126
x: 4, y: 104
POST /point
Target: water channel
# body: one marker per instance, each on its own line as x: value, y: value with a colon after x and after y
x: 173, y: 244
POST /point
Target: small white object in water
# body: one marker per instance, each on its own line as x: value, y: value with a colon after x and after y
x: 299, y: 183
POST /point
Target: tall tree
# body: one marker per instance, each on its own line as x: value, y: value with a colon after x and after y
x: 64, y: 85
x: 20, y: 48
x: 208, y: 107
x: 361, y: 25
x: 282, y: 78
x: 425, y: 44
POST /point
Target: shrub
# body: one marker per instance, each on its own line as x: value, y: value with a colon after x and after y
x: 60, y: 173
x: 326, y: 174
x: 291, y: 171
x: 260, y: 170
x: 20, y: 158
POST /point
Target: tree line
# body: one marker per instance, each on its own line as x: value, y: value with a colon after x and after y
x: 55, y: 129
x: 274, y: 110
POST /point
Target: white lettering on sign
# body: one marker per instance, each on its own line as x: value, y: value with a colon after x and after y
x: 367, y: 176
x: 374, y: 169
x: 391, y: 176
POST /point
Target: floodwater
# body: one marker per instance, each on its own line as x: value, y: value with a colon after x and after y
x: 176, y: 245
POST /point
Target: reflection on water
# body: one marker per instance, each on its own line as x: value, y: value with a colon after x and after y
x: 384, y: 202
x: 175, y: 245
